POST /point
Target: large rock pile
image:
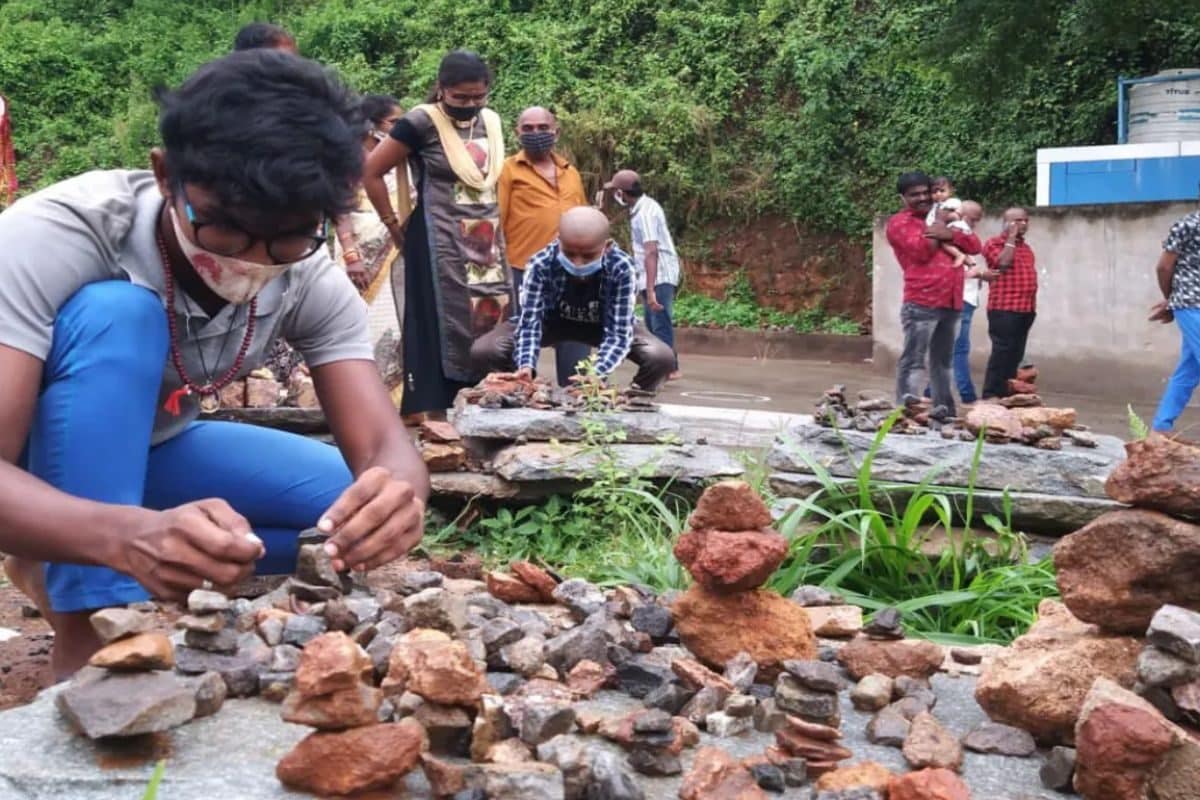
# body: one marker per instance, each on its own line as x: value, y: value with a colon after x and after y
x: 1127, y: 575
x: 1120, y: 569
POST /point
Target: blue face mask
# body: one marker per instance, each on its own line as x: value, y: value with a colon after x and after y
x: 580, y: 271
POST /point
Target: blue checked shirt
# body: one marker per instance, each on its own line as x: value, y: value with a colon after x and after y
x: 542, y: 289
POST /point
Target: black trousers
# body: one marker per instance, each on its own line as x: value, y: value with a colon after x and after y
x: 1008, y: 330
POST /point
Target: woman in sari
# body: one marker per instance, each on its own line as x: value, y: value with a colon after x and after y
x: 457, y: 286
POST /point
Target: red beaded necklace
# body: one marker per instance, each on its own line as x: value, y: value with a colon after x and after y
x: 209, y: 392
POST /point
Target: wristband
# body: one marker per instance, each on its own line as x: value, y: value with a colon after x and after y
x: 1009, y: 244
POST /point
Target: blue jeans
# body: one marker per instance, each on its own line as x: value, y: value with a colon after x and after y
x: 659, y: 322
x: 962, y: 357
x: 1186, y: 377
x: 91, y: 438
x: 567, y: 354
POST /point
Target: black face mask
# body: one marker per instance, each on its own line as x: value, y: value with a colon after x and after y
x: 461, y: 113
x: 537, y: 142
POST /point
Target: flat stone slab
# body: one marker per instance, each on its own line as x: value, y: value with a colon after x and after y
x: 639, y: 427
x: 471, y: 484
x: 233, y: 754
x: 1073, y: 471
x: 528, y: 463
x: 1031, y: 511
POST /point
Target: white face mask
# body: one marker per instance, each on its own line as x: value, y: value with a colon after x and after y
x: 620, y: 198
x: 232, y: 279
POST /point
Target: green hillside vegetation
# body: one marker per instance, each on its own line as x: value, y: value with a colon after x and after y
x: 729, y: 107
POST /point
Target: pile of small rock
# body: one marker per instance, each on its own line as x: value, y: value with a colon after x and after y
x: 134, y: 664
x: 480, y: 682
x: 1168, y: 667
x: 508, y: 390
x: 1019, y: 419
x: 263, y: 389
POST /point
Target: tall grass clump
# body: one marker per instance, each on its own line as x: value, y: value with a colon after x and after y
x: 867, y: 540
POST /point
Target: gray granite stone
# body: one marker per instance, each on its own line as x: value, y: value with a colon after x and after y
x: 550, y: 462
x: 543, y: 426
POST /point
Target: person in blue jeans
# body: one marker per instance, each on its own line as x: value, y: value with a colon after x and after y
x: 655, y: 256
x: 1178, y: 273
x: 130, y: 299
x: 977, y: 275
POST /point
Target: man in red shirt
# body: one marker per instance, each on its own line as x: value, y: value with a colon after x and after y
x: 933, y: 294
x: 1012, y: 301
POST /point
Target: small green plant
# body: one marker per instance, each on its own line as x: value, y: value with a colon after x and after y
x: 155, y: 780
x: 740, y: 309
x: 617, y: 528
x: 869, y: 541
x: 1137, y: 427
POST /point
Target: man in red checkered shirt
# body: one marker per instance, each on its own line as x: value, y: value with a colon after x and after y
x: 933, y: 294
x: 1012, y: 301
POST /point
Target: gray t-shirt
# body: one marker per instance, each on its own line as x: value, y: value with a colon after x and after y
x: 100, y: 226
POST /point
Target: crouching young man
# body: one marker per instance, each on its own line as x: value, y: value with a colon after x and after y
x: 129, y: 299
x: 579, y: 288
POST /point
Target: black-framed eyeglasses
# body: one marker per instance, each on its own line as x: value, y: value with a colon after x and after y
x: 229, y: 239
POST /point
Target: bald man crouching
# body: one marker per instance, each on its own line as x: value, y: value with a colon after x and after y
x: 580, y: 288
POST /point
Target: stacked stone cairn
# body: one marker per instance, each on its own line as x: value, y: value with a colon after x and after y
x: 1110, y: 677
x: 129, y: 688
x: 1020, y: 419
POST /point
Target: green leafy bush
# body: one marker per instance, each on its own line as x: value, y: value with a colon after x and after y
x: 807, y: 108
x: 739, y: 309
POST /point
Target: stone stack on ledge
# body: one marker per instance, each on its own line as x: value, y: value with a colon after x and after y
x: 1051, y: 491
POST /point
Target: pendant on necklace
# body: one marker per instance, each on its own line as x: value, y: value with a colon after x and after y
x: 210, y: 403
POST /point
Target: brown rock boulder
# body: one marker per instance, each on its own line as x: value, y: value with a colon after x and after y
x: 928, y: 784
x: 373, y: 757
x: 511, y: 589
x: 1040, y: 683
x: 835, y: 622
x: 995, y: 420
x: 928, y: 744
x: 331, y: 662
x: 1058, y: 418
x: 443, y: 457
x: 439, y: 431
x: 1121, y: 743
x: 916, y: 658
x: 716, y: 627
x: 723, y: 561
x: 730, y: 506
x: 137, y: 653
x: 429, y: 664
x: 1119, y: 569
x: 715, y: 774
x: 536, y: 577
x: 867, y: 774
x: 1160, y: 473
x: 345, y: 708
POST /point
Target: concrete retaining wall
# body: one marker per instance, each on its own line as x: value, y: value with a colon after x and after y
x: 1096, y: 285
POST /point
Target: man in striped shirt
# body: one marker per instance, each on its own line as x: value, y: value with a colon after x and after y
x: 580, y: 287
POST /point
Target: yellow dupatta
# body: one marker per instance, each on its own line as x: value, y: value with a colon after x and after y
x: 455, y: 148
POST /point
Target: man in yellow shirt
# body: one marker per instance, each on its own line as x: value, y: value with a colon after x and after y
x: 536, y: 186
